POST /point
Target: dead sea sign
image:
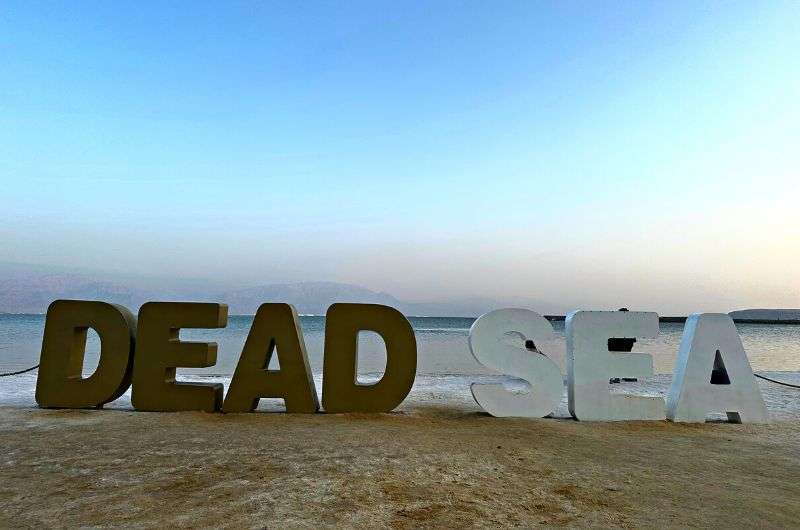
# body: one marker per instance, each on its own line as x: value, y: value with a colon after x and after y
x: 144, y: 353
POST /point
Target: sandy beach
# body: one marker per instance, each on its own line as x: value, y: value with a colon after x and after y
x: 437, y: 461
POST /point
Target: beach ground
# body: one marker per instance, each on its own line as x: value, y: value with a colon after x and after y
x: 422, y: 466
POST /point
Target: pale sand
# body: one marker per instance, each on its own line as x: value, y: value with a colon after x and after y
x: 424, y: 466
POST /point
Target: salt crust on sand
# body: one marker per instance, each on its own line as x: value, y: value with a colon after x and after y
x: 783, y: 403
x: 436, y: 462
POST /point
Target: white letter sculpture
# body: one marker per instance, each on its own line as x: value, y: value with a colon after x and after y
x: 590, y: 365
x: 490, y: 341
x: 711, y: 344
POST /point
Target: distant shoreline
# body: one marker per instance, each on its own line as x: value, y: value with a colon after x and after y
x: 551, y: 318
x: 681, y: 320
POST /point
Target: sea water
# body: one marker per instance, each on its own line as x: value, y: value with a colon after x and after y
x: 446, y: 368
x: 441, y: 344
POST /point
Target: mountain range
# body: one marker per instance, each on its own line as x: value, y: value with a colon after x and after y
x: 30, y: 289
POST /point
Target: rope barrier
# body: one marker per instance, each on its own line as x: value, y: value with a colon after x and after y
x: 765, y: 378
x: 20, y: 372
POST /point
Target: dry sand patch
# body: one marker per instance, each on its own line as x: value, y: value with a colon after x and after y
x: 424, y: 466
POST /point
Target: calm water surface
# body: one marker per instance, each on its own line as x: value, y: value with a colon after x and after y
x: 441, y: 342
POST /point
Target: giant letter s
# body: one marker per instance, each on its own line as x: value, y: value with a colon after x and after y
x: 489, y: 344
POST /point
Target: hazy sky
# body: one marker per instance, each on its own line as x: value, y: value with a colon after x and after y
x: 592, y: 154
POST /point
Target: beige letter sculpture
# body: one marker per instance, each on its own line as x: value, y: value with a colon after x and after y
x: 275, y: 326
x: 60, y: 382
x: 710, y: 342
x: 159, y: 351
x: 341, y: 391
x: 497, y: 340
x: 590, y: 365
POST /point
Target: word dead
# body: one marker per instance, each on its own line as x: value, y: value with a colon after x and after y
x: 712, y: 373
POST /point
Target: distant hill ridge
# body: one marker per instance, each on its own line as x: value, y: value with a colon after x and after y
x: 788, y: 315
x: 30, y: 289
x: 307, y: 297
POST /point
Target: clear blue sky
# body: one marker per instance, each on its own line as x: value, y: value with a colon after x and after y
x: 590, y: 154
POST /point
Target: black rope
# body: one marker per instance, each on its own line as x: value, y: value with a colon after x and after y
x: 20, y: 372
x: 776, y: 382
x: 765, y: 378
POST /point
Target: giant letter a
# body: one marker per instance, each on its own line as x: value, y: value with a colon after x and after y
x: 712, y: 374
